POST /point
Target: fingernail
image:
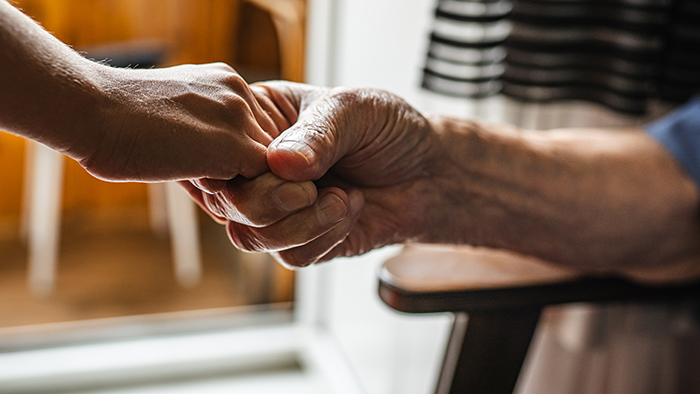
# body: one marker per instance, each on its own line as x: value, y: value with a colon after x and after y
x: 292, y: 197
x: 303, y: 150
x: 332, y: 209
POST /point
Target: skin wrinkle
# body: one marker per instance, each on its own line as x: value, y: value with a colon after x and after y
x: 248, y: 243
x: 216, y: 204
x: 320, y: 249
x: 549, y: 217
x: 399, y: 227
x: 491, y: 197
x: 606, y: 244
x: 256, y: 240
x: 314, y: 135
x: 373, y: 150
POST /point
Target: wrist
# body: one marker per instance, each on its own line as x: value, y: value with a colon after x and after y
x: 449, y: 204
x: 85, y: 112
x: 111, y: 100
x: 480, y: 187
x: 48, y: 93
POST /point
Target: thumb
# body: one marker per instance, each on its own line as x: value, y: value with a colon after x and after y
x: 308, y: 149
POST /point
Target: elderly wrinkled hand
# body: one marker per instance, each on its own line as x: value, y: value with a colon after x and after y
x: 343, y: 177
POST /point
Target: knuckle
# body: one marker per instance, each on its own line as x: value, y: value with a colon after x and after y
x: 236, y: 82
x: 291, y: 258
x: 353, y: 96
x: 245, y: 238
x: 218, y: 205
x: 345, y: 96
x: 369, y: 99
x: 257, y: 218
x: 236, y: 105
x: 322, y: 130
x: 243, y: 207
x: 223, y: 67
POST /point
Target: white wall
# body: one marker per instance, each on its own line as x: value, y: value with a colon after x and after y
x: 383, y: 44
x: 376, y: 43
x: 390, y: 352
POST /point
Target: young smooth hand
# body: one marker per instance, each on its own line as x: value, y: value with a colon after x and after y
x: 191, y: 121
x: 184, y: 122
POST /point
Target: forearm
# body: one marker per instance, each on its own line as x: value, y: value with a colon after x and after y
x: 603, y: 201
x: 49, y: 92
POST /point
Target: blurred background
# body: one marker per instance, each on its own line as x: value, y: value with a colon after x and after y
x: 114, y: 255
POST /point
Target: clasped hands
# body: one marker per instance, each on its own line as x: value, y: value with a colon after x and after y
x: 311, y: 173
x: 304, y: 172
x: 345, y: 177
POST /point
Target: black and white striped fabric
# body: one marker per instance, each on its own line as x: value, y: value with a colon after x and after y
x: 619, y: 53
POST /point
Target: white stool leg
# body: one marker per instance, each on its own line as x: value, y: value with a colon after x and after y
x: 44, y: 218
x: 184, y: 233
x: 29, y: 158
x: 158, y: 212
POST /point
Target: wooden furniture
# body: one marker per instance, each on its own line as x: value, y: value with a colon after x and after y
x: 289, y: 17
x: 497, y: 299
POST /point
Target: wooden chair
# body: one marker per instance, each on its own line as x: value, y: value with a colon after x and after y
x: 503, y: 296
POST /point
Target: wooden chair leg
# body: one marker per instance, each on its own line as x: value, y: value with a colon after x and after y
x: 486, y: 351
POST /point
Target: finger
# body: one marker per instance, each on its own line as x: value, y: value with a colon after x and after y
x: 263, y: 119
x: 235, y: 89
x: 239, y: 86
x: 321, y: 137
x: 330, y: 209
x: 286, y: 104
x: 272, y: 110
x: 327, y: 245
x: 209, y: 185
x: 261, y: 201
x: 240, y: 155
x: 198, y: 198
x: 297, y: 95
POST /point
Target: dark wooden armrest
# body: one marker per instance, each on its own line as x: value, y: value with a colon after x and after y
x: 503, y: 295
x: 425, y: 279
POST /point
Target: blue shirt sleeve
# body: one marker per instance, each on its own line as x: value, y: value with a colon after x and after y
x: 679, y: 132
